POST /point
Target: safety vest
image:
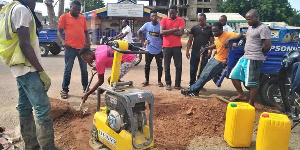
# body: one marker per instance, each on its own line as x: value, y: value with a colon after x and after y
x: 10, y: 51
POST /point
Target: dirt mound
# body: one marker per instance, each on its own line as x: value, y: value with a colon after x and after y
x: 58, y: 108
x: 177, y: 120
x: 72, y: 130
x: 176, y: 123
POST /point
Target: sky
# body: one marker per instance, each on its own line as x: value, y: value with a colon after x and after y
x: 295, y: 4
x: 42, y: 7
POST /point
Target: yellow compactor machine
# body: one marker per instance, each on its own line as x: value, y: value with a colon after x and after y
x: 122, y: 123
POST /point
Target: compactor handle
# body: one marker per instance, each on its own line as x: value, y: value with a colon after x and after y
x: 134, y: 49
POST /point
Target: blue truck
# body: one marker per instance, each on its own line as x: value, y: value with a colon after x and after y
x: 48, y: 42
x: 284, y: 39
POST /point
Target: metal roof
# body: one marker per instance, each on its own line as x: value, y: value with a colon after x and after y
x: 231, y: 17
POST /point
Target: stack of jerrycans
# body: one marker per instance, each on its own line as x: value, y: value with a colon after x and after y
x: 240, y: 118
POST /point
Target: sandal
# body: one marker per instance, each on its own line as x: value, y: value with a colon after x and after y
x: 160, y: 84
x: 236, y: 99
x: 64, y: 94
x: 145, y: 83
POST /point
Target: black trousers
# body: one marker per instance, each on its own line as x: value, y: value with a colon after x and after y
x: 148, y: 60
x: 174, y: 52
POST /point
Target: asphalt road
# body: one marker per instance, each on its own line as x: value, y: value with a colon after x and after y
x: 54, y: 66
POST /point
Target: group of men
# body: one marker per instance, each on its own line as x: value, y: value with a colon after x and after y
x: 163, y: 40
x: 202, y: 38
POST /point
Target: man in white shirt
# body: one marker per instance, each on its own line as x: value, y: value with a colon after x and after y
x: 223, y: 21
x: 21, y: 40
x: 126, y: 34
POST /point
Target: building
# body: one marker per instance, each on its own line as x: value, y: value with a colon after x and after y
x: 235, y: 20
x: 106, y: 21
x: 187, y: 9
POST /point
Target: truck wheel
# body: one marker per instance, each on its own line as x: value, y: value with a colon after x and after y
x: 270, y: 93
x: 44, y: 50
x: 55, y: 49
x: 137, y: 59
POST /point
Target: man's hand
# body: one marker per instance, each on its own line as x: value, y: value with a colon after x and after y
x: 208, y: 55
x: 226, y: 44
x: 202, y: 50
x: 45, y: 79
x: 146, y: 43
x: 187, y: 54
x: 84, y: 97
x: 66, y: 46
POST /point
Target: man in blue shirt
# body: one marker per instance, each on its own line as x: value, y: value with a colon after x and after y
x: 153, y: 44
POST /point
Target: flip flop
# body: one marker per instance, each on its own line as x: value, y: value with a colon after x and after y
x: 145, y: 83
x: 236, y: 99
x: 64, y: 94
x: 160, y: 84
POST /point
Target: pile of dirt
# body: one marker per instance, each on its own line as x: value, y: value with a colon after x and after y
x: 58, y: 108
x: 71, y: 128
x: 179, y: 121
x: 176, y: 121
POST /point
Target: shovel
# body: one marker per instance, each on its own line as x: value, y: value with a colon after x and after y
x: 84, y: 110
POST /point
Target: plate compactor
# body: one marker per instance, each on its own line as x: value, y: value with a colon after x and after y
x: 122, y: 124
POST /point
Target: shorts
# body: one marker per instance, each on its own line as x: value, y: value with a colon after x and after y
x: 247, y: 71
x: 125, y: 67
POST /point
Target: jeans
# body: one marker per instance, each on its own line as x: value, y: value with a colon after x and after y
x: 32, y: 94
x: 194, y: 63
x: 212, y: 68
x: 70, y: 55
x: 295, y: 78
x: 174, y: 52
x: 148, y: 60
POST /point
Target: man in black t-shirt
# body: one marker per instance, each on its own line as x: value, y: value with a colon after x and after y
x: 201, y: 36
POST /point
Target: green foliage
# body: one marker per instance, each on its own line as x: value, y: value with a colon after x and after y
x: 67, y: 10
x: 91, y: 4
x: 269, y: 10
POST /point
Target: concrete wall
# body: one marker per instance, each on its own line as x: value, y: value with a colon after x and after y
x: 191, y: 7
x: 195, y: 6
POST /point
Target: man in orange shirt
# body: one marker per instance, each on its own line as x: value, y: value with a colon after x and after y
x: 216, y: 64
x: 76, y: 37
x: 171, y: 28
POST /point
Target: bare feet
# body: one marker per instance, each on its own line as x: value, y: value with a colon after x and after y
x: 252, y: 104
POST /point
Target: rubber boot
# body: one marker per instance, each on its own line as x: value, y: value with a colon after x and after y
x: 28, y: 131
x: 45, y: 136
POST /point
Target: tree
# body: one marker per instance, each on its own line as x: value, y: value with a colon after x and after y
x: 51, y: 14
x: 91, y: 4
x: 269, y: 10
x: 275, y: 10
x: 61, y: 7
x: 294, y: 20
